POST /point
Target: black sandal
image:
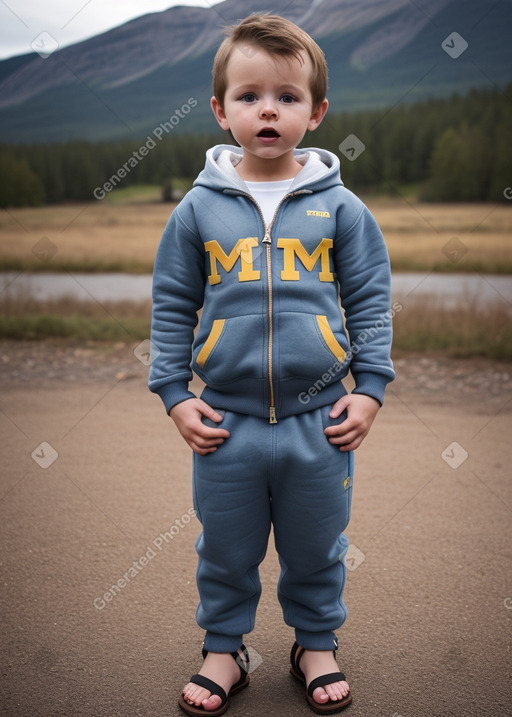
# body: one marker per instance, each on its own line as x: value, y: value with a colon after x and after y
x: 216, y: 689
x: 330, y: 707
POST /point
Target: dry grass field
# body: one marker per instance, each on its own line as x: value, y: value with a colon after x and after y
x: 106, y: 236
x: 446, y: 237
x: 103, y: 236
x: 90, y: 237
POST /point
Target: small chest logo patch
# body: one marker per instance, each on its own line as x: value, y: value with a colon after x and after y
x: 314, y: 213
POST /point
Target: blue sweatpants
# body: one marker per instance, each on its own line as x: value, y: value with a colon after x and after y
x: 287, y: 475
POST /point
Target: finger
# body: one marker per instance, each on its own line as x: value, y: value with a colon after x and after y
x: 340, y: 406
x: 207, y: 432
x: 341, y: 429
x: 203, y: 441
x: 209, y: 412
x: 196, y: 441
x: 345, y: 438
x: 352, y: 446
x: 350, y: 442
x: 206, y: 442
x: 201, y: 451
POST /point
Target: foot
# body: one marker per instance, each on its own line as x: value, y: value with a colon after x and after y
x: 222, y: 669
x: 315, y: 663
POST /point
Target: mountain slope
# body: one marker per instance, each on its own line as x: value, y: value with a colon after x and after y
x: 126, y: 82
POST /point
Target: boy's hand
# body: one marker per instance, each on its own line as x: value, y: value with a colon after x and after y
x: 361, y: 412
x: 187, y: 417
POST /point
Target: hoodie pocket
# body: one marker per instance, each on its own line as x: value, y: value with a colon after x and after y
x: 308, y: 346
x: 330, y: 339
x: 210, y: 343
x: 232, y: 350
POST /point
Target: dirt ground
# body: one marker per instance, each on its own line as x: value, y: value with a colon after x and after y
x: 97, y: 546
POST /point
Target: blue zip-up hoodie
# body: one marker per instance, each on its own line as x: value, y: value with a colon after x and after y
x: 271, y: 340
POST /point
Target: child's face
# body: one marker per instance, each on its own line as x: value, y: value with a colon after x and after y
x: 268, y: 106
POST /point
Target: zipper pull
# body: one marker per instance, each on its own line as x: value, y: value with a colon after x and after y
x: 273, y: 418
x: 267, y: 239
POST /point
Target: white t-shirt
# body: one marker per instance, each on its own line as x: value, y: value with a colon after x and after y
x: 268, y: 195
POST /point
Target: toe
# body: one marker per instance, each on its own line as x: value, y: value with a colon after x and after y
x: 195, y: 695
x: 344, y: 688
x: 335, y: 692
x: 212, y: 703
x: 320, y: 695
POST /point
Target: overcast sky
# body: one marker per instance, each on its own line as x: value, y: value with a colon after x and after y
x: 69, y: 21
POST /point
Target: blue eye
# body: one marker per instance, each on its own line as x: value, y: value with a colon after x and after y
x: 248, y: 97
x: 288, y: 99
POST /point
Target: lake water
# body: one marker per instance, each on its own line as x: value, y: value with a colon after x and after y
x: 446, y: 289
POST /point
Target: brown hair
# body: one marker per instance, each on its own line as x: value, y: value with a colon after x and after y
x: 277, y: 36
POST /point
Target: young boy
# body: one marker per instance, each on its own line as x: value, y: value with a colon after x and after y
x: 267, y: 243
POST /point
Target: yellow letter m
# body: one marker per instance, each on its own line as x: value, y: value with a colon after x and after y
x: 293, y: 248
x: 242, y: 250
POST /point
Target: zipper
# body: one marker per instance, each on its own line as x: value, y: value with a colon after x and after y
x: 267, y: 240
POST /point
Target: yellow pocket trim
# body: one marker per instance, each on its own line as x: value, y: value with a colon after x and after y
x: 210, y: 342
x: 330, y: 338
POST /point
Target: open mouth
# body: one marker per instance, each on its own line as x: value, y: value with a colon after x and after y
x: 268, y: 133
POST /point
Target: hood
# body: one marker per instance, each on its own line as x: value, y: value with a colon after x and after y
x: 321, y: 170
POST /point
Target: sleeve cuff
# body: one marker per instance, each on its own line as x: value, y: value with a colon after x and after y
x: 173, y: 393
x: 371, y: 384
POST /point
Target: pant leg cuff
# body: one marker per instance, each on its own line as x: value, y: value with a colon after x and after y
x: 215, y: 642
x: 326, y: 640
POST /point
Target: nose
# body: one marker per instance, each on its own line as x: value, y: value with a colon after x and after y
x: 268, y: 111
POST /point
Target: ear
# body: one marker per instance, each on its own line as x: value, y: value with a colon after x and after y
x: 318, y: 115
x: 219, y: 113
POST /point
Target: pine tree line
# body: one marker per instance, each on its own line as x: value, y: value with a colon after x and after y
x: 455, y: 149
